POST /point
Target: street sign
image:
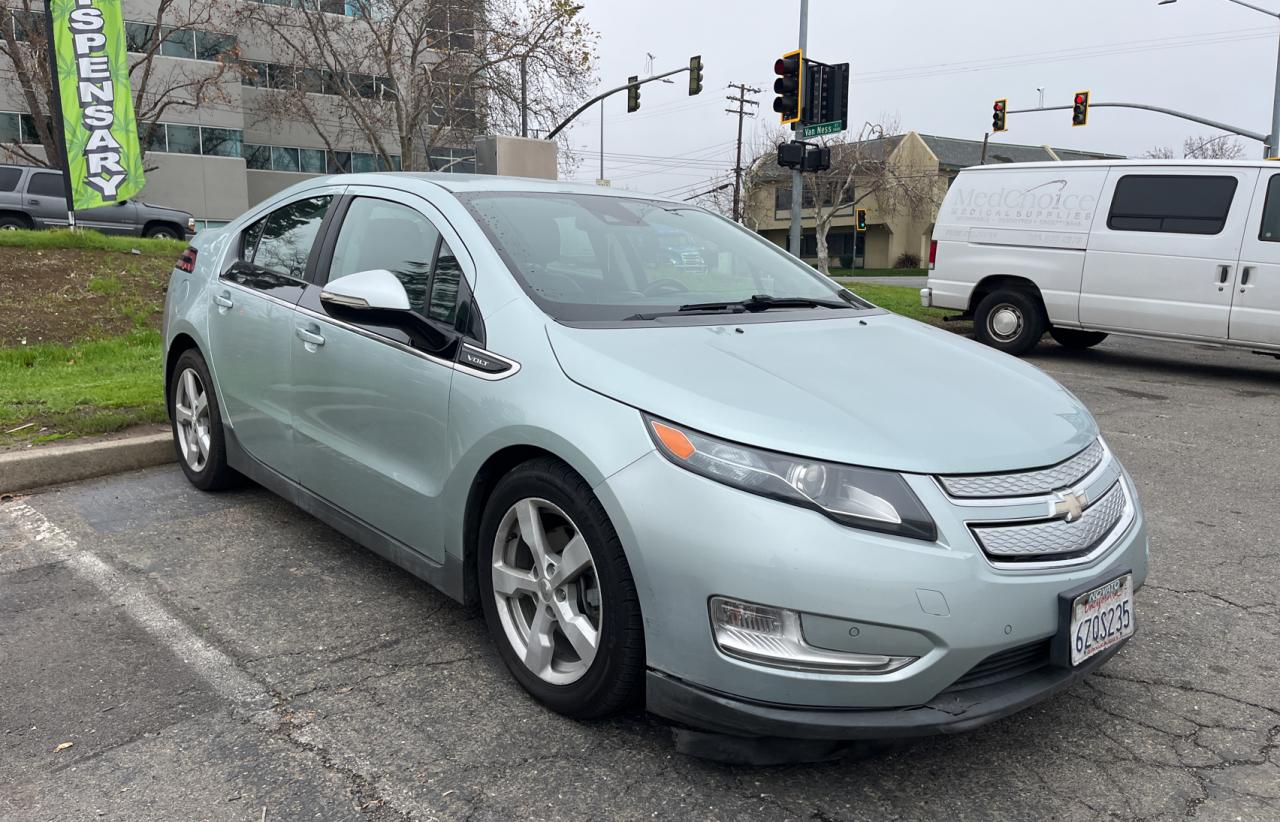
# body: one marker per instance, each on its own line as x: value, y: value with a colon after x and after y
x: 819, y: 129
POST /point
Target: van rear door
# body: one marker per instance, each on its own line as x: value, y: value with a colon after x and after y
x: 1255, y: 304
x: 1163, y: 252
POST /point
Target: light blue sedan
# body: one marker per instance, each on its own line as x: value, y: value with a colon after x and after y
x: 758, y: 503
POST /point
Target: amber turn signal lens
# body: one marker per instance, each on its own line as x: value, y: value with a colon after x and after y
x: 675, y: 441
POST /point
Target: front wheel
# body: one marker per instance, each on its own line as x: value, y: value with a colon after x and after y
x: 557, y: 592
x: 1075, y: 338
x: 1011, y: 321
x: 197, y: 425
x: 161, y: 232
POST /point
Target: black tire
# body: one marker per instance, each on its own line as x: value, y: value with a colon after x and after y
x: 615, y: 676
x: 1075, y: 338
x: 1009, y: 321
x: 162, y: 232
x: 213, y: 473
x: 13, y: 222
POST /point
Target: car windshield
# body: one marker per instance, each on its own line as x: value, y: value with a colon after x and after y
x: 586, y: 257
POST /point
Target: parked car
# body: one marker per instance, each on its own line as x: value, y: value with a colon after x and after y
x: 1182, y: 250
x: 650, y: 489
x: 33, y: 197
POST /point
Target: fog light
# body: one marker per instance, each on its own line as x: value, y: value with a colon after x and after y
x: 772, y: 636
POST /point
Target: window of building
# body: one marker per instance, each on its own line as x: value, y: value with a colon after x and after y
x: 284, y: 158
x: 288, y: 235
x: 1270, y: 231
x: 220, y: 142
x: 212, y: 45
x: 257, y: 157
x: 312, y: 160
x: 45, y: 184
x: 339, y: 162
x: 379, y: 234
x: 178, y: 43
x: 10, y: 131
x: 362, y: 162
x: 253, y: 73
x: 183, y: 139
x: 1171, y: 204
x: 9, y: 178
x: 456, y: 160
x: 156, y: 139
x: 137, y: 37
x: 28, y: 26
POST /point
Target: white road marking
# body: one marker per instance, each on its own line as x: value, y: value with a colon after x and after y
x: 215, y: 667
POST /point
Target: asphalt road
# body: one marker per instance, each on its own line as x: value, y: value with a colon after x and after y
x: 228, y: 657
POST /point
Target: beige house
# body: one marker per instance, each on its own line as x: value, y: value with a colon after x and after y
x: 892, y: 231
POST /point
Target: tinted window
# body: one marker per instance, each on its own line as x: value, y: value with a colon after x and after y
x: 180, y: 43
x: 444, y: 286
x: 45, y: 184
x: 381, y: 234
x: 288, y: 235
x: 1171, y: 204
x: 184, y: 139
x: 9, y: 178
x: 1271, y: 212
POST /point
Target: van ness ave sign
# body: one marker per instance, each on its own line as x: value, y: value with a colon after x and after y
x: 104, y: 162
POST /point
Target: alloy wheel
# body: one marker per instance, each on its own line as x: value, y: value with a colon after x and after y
x: 191, y: 415
x: 547, y: 591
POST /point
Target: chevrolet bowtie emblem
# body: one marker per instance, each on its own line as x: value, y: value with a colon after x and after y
x: 1068, y: 506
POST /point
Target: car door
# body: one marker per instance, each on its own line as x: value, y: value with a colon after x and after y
x: 251, y: 324
x: 46, y: 199
x: 372, y: 390
x: 1255, y: 305
x: 1162, y: 254
x: 118, y: 218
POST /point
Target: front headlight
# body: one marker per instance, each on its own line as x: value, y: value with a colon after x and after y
x: 860, y: 497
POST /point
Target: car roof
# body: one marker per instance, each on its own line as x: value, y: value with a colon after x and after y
x: 468, y: 183
x: 1128, y: 164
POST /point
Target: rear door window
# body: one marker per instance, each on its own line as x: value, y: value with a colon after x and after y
x: 45, y: 184
x: 1171, y: 204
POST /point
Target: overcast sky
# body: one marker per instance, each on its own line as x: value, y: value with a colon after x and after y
x: 935, y: 65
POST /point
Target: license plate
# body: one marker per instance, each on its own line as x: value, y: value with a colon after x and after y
x: 1101, y: 618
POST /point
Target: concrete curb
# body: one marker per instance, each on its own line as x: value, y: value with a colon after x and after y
x: 51, y: 465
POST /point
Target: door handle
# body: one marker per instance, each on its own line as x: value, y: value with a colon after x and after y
x: 1244, y: 276
x: 1224, y: 274
x: 222, y: 301
x: 308, y: 336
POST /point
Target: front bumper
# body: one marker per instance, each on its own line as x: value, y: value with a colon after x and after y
x: 947, y: 713
x: 689, y: 539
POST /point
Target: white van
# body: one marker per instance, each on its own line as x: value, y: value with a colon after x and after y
x: 1182, y: 250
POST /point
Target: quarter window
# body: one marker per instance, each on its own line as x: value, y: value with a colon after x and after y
x: 9, y: 178
x: 444, y: 286
x: 1171, y: 204
x: 287, y: 236
x: 378, y: 234
x: 1270, y: 232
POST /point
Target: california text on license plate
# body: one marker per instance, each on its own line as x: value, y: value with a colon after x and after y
x: 1101, y: 618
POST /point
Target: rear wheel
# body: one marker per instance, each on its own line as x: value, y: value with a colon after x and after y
x: 161, y: 232
x: 1011, y: 321
x: 557, y: 592
x: 1075, y: 338
x: 12, y: 222
x: 197, y: 425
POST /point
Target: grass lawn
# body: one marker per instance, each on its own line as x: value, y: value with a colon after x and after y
x: 79, y: 345
x: 906, y: 301
x: 879, y: 272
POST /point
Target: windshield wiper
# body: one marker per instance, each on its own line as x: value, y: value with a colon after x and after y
x: 753, y: 304
x: 764, y: 302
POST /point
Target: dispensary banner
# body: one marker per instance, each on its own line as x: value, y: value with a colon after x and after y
x: 103, y: 160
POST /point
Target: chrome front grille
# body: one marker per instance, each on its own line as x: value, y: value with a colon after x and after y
x: 1026, y: 483
x: 1055, y: 540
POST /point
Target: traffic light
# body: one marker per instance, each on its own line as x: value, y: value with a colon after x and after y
x: 1080, y: 109
x: 999, y: 116
x: 816, y: 158
x: 695, y: 75
x: 861, y: 223
x: 633, y: 93
x: 833, y: 97
x: 791, y: 155
x: 789, y: 86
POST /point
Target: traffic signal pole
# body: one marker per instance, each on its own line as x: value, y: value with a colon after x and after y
x: 551, y: 135
x: 1204, y: 121
x: 797, y: 176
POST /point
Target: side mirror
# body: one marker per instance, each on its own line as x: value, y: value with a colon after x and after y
x: 377, y: 289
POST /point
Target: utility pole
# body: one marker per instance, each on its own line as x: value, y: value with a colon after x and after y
x: 797, y: 176
x: 742, y: 113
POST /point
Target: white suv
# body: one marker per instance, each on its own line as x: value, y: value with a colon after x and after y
x: 1185, y: 250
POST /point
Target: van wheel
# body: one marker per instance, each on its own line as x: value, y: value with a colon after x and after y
x: 1075, y: 338
x: 557, y: 593
x: 1010, y: 321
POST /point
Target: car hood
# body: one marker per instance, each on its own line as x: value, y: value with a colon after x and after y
x: 880, y: 391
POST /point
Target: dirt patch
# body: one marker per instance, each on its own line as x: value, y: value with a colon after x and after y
x: 67, y: 295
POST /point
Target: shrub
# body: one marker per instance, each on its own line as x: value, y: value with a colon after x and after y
x: 846, y: 261
x: 907, y: 260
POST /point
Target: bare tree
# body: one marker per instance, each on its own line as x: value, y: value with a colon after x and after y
x: 1221, y: 147
x: 159, y: 87
x: 403, y: 75
x: 862, y: 168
